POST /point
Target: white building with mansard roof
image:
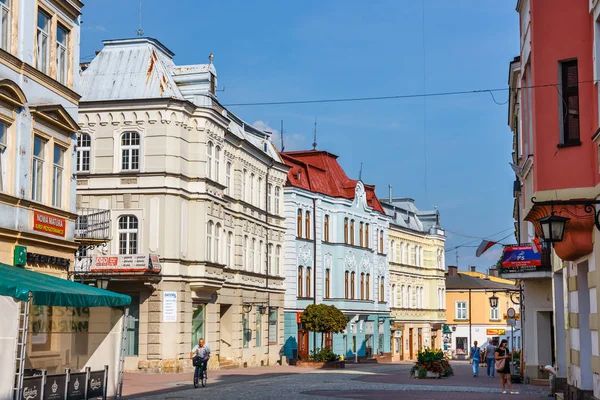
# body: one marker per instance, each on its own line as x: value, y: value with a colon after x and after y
x: 196, y: 202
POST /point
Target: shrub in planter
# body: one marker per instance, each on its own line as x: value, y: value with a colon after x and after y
x: 432, y: 361
x: 422, y: 373
x: 323, y: 355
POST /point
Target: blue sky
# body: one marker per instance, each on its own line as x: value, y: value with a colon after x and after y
x: 280, y: 50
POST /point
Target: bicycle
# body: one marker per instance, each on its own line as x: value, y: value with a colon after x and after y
x: 202, y: 374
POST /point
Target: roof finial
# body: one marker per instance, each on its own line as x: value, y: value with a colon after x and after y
x: 210, y: 58
x: 315, y: 136
x: 140, y: 31
x: 282, y: 145
x: 360, y: 172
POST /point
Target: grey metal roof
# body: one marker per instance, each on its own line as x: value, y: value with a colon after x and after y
x: 464, y: 281
x: 406, y: 215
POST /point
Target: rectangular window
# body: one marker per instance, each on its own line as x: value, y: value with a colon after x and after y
x: 57, y: 176
x: 37, y: 175
x: 461, y: 310
x: 258, y: 327
x: 352, y: 232
x: 277, y: 190
x: 272, y: 326
x: 367, y: 235
x: 326, y: 229
x: 269, y: 197
x: 62, y: 58
x: 494, y: 313
x: 346, y: 283
x: 327, y: 283
x: 308, y: 284
x: 5, y: 24
x: 84, y: 145
x: 360, y: 234
x: 3, y: 157
x: 307, y: 231
x: 43, y: 38
x: 570, y: 102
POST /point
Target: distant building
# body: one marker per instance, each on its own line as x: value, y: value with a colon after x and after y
x: 470, y: 315
x: 195, y: 196
x: 335, y: 252
x: 416, y: 259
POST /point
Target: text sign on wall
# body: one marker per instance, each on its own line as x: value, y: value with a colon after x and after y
x: 520, y: 258
x: 169, y: 306
x: 54, y: 389
x: 495, y: 332
x: 50, y: 224
x: 130, y: 263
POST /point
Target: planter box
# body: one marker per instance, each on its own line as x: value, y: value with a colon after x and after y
x: 321, y: 364
x: 433, y: 374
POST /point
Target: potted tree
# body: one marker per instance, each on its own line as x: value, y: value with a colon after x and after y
x: 321, y: 318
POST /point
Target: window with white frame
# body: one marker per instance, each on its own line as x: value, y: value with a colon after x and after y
x: 277, y: 260
x: 245, y: 253
x: 269, y: 197
x: 62, y: 58
x: 403, y: 296
x: 229, y: 251
x: 84, y: 146
x: 393, y: 251
x: 209, y: 160
x: 259, y: 201
x: 128, y: 234
x: 228, y: 179
x: 217, y: 243
x: 393, y: 298
x: 277, y: 194
x: 5, y: 24
x: 217, y: 163
x: 3, y: 156
x: 57, y: 176
x: 244, y: 178
x: 130, y: 151
x: 252, y: 255
x: 461, y: 310
x: 259, y: 257
x: 495, y: 313
x: 43, y: 40
x: 270, y: 259
x: 209, y: 240
x: 251, y: 194
x: 37, y: 176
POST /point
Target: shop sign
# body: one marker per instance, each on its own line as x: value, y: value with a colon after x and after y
x: 495, y: 332
x: 169, y: 306
x: 32, y: 387
x: 50, y: 224
x: 76, y: 389
x: 54, y: 389
x: 34, y: 258
x: 126, y: 263
x: 96, y: 385
x: 520, y: 258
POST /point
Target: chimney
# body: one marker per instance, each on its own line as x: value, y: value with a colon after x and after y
x: 390, y: 195
x: 494, y: 272
x: 473, y: 268
x: 452, y: 270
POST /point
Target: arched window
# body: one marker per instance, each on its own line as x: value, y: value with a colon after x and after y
x: 209, y: 240
x: 326, y: 229
x: 277, y: 193
x: 128, y: 234
x: 367, y: 244
x: 84, y: 146
x: 346, y: 285
x: 352, y: 284
x: 261, y: 261
x: 299, y: 223
x: 393, y: 251
x: 368, y: 287
x: 403, y: 296
x: 130, y: 151
x: 381, y: 248
x: 409, y: 300
x: 217, y: 163
x: 259, y: 200
x: 251, y: 194
x: 352, y: 232
x: 244, y: 195
x: 393, y: 297
x: 229, y: 249
x: 270, y: 259
x: 307, y: 219
x: 382, y: 289
x: 269, y: 197
x: 228, y: 179
x: 362, y: 286
x: 217, y: 243
x: 209, y: 160
x: 252, y: 254
x: 245, y: 253
x: 376, y: 241
x: 346, y: 230
x: 327, y: 283
x: 300, y: 280
x: 308, y: 285
x: 277, y: 259
x: 361, y: 230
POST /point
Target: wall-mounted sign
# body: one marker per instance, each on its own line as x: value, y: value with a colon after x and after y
x: 169, y: 306
x: 49, y: 224
x: 495, y: 332
x: 520, y: 258
x: 34, y: 258
x: 126, y: 263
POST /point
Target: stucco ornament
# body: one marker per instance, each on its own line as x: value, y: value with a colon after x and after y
x: 365, y: 263
x: 304, y: 255
x: 381, y: 266
x: 350, y: 261
x: 327, y: 260
x: 360, y: 196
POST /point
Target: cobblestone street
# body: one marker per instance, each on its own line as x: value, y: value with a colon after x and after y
x: 365, y: 381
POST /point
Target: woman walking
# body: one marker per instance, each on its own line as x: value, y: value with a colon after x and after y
x: 502, y: 357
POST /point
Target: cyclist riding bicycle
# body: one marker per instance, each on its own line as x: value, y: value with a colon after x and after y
x: 200, y: 354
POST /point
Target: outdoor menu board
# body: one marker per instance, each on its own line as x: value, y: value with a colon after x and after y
x: 54, y: 389
x: 32, y: 387
x: 96, y: 385
x: 76, y: 389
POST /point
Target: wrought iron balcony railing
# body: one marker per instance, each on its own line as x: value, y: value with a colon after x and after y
x: 92, y: 224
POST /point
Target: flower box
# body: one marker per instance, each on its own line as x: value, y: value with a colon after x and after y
x: 433, y: 375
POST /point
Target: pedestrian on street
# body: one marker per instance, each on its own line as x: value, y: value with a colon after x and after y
x: 490, y: 354
x: 475, y: 358
x: 503, y: 366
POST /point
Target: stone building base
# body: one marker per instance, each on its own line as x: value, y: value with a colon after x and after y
x: 574, y: 393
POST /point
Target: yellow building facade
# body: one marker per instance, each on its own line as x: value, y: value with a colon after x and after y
x: 416, y: 260
x: 470, y: 316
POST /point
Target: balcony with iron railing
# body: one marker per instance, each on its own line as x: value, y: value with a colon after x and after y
x: 544, y: 270
x: 92, y: 225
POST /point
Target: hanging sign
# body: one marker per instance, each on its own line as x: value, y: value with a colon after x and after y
x: 520, y: 258
x: 169, y: 306
x: 54, y: 389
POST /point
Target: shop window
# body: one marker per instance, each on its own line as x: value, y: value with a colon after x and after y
x: 246, y: 331
x: 258, y: 327
x: 273, y: 334
x: 84, y: 147
x: 133, y: 325
x: 198, y: 323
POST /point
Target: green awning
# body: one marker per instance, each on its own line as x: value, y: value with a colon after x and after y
x: 48, y: 290
x: 447, y: 329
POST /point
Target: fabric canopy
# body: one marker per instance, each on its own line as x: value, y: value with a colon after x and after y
x: 447, y: 329
x: 52, y: 291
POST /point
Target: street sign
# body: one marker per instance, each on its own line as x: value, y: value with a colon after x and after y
x: 511, y: 312
x: 511, y: 322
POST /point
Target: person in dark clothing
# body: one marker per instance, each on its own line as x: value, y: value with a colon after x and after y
x: 502, y: 357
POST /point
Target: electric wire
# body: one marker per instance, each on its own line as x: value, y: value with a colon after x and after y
x: 473, y: 241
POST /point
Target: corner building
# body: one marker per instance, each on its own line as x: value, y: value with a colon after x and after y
x: 195, y: 190
x: 335, y: 253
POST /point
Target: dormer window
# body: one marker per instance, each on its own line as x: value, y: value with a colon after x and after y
x: 265, y: 147
x: 213, y: 83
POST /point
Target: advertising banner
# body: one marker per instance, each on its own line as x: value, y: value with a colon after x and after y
x: 96, y: 384
x: 54, y: 389
x: 126, y: 263
x: 32, y: 388
x: 520, y: 258
x: 50, y: 224
x: 76, y: 388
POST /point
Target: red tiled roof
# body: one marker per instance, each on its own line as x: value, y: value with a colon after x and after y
x: 321, y: 173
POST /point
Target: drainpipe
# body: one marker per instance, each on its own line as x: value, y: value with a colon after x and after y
x: 315, y: 264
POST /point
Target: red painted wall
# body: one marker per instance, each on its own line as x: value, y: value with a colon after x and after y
x: 562, y: 30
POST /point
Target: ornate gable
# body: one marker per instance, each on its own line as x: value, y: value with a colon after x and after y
x: 57, y: 116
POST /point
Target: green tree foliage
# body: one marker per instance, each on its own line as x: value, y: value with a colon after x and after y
x: 322, y: 318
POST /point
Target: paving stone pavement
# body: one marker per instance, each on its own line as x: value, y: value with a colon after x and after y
x: 382, y: 381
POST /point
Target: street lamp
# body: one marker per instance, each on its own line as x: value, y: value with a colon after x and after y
x: 553, y: 228
x: 494, y: 301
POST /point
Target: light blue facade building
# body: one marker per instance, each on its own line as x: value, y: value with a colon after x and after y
x: 335, y: 253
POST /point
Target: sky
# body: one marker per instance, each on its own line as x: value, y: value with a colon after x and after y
x: 449, y: 152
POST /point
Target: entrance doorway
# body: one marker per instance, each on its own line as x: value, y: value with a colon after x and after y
x: 133, y: 325
x: 225, y: 335
x: 419, y: 339
x: 302, y: 344
x: 410, y: 343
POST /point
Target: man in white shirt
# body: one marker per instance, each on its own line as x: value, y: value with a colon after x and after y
x: 203, y: 353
